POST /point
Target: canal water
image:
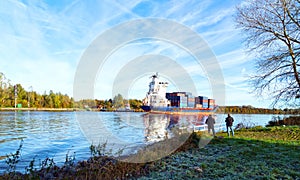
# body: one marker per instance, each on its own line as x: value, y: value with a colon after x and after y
x: 55, y: 134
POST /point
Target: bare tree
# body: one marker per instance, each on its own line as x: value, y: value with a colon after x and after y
x: 272, y: 30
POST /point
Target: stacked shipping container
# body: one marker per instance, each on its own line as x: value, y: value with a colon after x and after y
x: 186, y: 99
x: 211, y: 103
x: 191, y: 101
x: 202, y: 100
x: 177, y: 99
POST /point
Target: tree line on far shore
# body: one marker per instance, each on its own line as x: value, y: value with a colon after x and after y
x: 11, y: 95
x: 32, y: 99
x: 117, y: 103
x: 253, y: 110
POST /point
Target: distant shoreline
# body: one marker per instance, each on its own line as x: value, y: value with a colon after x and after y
x: 62, y: 109
x: 223, y: 111
x: 41, y: 109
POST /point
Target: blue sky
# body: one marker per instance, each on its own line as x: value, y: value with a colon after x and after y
x: 42, y: 43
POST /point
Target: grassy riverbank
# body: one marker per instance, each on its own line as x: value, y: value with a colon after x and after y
x: 271, y: 153
x: 253, y: 153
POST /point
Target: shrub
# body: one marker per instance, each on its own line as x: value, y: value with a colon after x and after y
x: 289, y: 121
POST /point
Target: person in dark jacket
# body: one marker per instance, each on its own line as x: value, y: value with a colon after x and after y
x: 210, y: 121
x: 229, y: 122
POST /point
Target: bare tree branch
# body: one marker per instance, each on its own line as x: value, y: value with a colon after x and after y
x: 273, y: 33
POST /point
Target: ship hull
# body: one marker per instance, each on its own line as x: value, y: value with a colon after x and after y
x: 146, y: 108
x: 177, y: 110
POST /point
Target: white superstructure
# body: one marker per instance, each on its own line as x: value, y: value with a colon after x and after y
x: 156, y: 96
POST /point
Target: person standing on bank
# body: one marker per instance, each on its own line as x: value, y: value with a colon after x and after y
x: 210, y: 121
x: 229, y: 121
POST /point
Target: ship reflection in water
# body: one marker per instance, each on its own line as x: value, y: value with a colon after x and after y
x: 159, y: 127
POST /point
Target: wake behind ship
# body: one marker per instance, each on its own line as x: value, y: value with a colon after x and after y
x: 157, y: 100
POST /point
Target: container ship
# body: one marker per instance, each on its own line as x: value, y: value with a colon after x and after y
x: 157, y: 100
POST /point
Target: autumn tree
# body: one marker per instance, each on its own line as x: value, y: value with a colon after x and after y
x: 272, y: 29
x: 4, y: 90
x: 135, y: 104
x: 118, y: 101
